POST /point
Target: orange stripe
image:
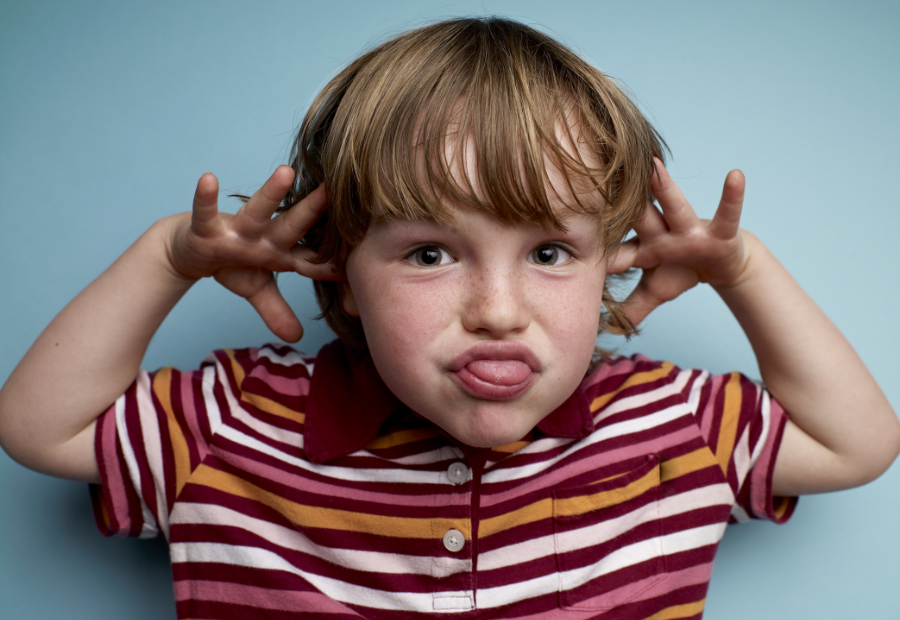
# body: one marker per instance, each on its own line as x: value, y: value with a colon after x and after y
x: 585, y: 503
x: 731, y: 412
x: 401, y: 437
x: 781, y: 505
x: 547, y: 508
x: 270, y: 406
x: 162, y: 387
x: 635, y: 379
x: 687, y: 610
x: 329, y: 518
x: 700, y: 458
x: 510, y: 448
x: 236, y: 368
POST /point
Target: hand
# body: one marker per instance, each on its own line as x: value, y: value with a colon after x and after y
x: 244, y: 251
x: 676, y: 250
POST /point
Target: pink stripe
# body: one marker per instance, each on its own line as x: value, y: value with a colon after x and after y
x: 695, y: 575
x: 282, y: 385
x: 314, y: 486
x: 708, y: 415
x: 622, y: 366
x: 761, y: 501
x: 545, y: 480
x: 254, y: 596
x: 647, y: 588
x: 189, y: 410
x: 113, y: 482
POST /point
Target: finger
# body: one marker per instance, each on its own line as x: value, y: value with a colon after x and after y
x: 678, y: 212
x: 305, y: 265
x: 625, y: 257
x: 205, y: 213
x: 658, y: 285
x: 256, y: 214
x: 289, y: 227
x: 276, y: 313
x: 727, y: 220
x: 652, y: 224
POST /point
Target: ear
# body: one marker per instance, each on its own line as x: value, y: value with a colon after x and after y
x: 348, y: 301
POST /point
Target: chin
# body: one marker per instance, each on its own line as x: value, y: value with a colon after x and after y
x: 486, y: 437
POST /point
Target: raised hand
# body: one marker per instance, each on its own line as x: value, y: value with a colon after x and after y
x: 244, y: 251
x: 676, y: 250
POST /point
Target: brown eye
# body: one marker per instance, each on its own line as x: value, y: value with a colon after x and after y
x: 546, y: 255
x: 430, y: 256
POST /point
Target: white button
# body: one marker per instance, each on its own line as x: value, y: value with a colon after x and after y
x: 454, y: 540
x: 458, y: 473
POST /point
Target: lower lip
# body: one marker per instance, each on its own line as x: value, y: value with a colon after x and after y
x: 490, y: 391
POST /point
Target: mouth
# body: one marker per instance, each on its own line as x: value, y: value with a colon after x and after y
x: 496, y: 369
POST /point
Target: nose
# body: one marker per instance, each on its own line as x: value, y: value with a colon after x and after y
x: 496, y: 303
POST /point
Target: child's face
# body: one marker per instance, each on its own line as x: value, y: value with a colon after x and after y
x: 482, y: 328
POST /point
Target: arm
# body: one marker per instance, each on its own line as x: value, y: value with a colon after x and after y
x: 842, y: 430
x: 91, y: 352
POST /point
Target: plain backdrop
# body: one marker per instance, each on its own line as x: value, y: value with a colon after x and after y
x: 110, y: 112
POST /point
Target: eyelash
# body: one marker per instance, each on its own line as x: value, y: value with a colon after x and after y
x: 442, y: 253
x: 561, y: 249
x: 445, y: 258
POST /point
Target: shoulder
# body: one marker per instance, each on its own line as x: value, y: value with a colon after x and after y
x: 633, y: 375
x: 268, y: 362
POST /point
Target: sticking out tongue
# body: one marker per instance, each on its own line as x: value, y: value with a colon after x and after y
x: 500, y: 372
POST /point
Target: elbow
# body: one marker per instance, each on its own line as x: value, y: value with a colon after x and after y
x: 880, y: 455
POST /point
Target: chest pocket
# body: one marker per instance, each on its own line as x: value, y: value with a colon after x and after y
x: 608, y: 539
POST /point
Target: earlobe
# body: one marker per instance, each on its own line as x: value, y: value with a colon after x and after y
x: 348, y: 301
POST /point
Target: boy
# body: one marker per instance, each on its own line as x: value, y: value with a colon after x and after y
x: 461, y: 449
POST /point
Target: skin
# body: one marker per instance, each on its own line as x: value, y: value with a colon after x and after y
x: 842, y: 433
x: 488, y: 286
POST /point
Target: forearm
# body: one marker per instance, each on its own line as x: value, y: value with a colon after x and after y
x: 87, y: 356
x: 843, y: 431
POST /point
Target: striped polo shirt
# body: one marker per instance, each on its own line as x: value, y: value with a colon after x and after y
x: 288, y: 493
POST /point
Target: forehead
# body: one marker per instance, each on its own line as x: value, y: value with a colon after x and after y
x: 528, y: 186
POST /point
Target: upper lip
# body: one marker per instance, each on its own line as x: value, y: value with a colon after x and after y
x: 497, y: 350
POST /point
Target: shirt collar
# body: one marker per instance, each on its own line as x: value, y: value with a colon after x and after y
x: 348, y: 403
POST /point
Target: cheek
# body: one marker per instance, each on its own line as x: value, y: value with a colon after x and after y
x: 572, y: 315
x: 399, y: 319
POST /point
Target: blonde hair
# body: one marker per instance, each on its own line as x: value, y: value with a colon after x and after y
x: 515, y: 97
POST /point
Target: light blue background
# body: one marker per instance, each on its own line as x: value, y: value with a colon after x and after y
x: 110, y: 111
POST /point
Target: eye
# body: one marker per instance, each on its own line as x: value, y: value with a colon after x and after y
x: 549, y: 255
x: 430, y: 256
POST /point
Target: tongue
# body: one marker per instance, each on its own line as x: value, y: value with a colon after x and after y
x: 500, y: 372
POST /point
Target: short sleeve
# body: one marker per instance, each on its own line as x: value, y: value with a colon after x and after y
x: 147, y: 444
x: 157, y: 434
x: 743, y: 426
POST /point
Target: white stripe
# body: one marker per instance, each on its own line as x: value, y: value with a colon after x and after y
x: 237, y: 411
x: 213, y: 415
x: 150, y: 527
x: 647, y: 398
x: 740, y: 515
x: 340, y: 591
x: 615, y: 430
x: 741, y: 456
x: 151, y: 419
x: 765, y: 412
x: 528, y: 550
x: 371, y: 561
x: 291, y: 359
x: 336, y: 472
x: 621, y: 558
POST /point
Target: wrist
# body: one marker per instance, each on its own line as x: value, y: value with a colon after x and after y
x: 158, y: 246
x: 754, y: 255
x: 166, y: 235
